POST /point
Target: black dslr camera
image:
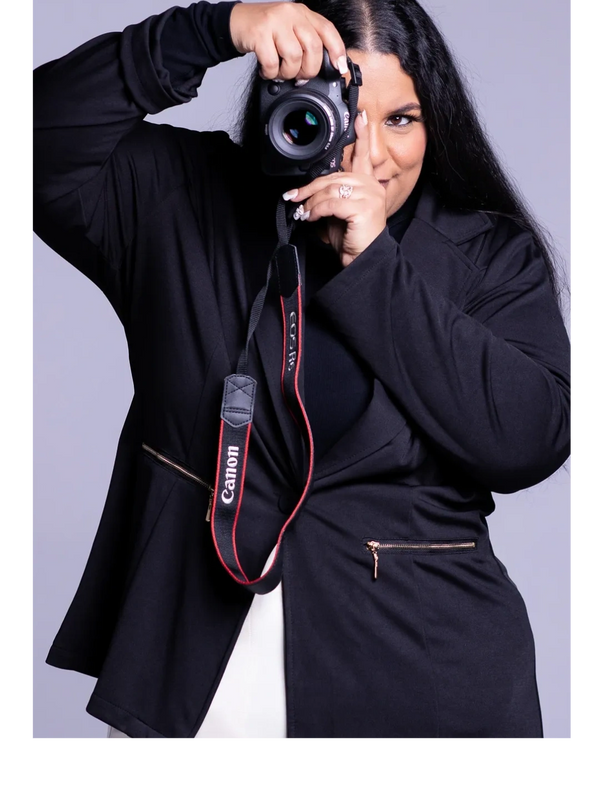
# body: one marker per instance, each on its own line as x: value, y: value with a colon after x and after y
x: 302, y: 124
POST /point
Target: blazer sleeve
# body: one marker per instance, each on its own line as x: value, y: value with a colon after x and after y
x: 98, y: 167
x: 488, y: 384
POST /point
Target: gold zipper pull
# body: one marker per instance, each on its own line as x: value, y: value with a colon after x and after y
x: 210, y: 502
x: 374, y: 547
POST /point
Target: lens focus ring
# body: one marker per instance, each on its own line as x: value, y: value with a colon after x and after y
x: 302, y: 127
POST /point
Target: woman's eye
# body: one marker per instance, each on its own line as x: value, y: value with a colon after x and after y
x: 401, y: 116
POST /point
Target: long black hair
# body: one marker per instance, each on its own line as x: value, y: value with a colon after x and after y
x: 459, y: 159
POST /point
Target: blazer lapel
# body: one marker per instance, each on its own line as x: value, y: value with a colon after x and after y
x: 380, y: 422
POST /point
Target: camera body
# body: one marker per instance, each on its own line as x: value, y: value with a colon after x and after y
x: 302, y: 124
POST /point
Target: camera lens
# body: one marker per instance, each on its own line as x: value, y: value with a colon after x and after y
x: 300, y: 127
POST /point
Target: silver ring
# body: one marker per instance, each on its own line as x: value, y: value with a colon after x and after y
x: 345, y: 190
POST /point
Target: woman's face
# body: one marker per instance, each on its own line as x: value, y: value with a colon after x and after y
x: 397, y: 141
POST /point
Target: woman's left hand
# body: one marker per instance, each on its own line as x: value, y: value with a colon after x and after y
x: 352, y: 222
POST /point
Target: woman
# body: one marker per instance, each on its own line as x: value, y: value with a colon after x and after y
x: 434, y: 373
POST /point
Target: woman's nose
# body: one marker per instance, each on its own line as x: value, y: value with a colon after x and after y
x: 377, y: 145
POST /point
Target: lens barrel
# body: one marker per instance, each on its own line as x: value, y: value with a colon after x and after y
x: 302, y: 126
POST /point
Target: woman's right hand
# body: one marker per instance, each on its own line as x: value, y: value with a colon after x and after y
x: 287, y: 31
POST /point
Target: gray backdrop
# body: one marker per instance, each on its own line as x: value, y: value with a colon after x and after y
x: 516, y: 58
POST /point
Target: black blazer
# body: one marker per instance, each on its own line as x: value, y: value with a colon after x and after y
x: 470, y: 365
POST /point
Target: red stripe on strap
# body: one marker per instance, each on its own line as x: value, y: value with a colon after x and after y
x: 310, y: 438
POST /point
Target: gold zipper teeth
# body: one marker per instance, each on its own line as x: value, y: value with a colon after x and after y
x: 178, y: 467
x: 428, y: 546
x: 374, y: 546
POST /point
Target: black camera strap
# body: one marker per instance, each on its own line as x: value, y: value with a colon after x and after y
x: 239, y: 391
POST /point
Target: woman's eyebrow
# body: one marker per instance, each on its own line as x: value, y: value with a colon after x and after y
x: 407, y: 107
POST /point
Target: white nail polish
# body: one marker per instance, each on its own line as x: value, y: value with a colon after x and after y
x: 298, y: 212
x: 342, y: 64
x: 301, y: 82
x: 305, y: 216
x: 364, y: 116
x: 290, y: 195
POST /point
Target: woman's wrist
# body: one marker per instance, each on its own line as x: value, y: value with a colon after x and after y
x: 221, y: 26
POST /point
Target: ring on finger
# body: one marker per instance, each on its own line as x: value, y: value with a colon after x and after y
x: 299, y: 212
x: 345, y: 190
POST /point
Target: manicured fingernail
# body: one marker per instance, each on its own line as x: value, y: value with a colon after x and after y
x: 305, y: 216
x: 299, y: 211
x: 301, y: 82
x: 364, y: 116
x: 342, y: 64
x: 277, y: 80
x: 290, y: 195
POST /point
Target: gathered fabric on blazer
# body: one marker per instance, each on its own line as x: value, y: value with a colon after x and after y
x: 469, y: 358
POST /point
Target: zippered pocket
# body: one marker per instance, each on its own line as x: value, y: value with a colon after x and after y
x: 169, y: 462
x: 454, y: 546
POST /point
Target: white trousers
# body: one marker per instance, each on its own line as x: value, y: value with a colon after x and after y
x: 250, y: 699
